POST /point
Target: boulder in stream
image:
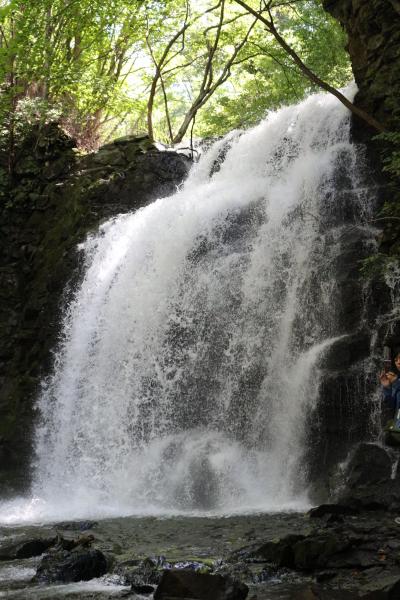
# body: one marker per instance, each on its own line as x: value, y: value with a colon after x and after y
x: 369, y: 464
x: 81, y: 564
x: 279, y: 551
x: 191, y: 585
x: 330, y: 510
x: 25, y: 548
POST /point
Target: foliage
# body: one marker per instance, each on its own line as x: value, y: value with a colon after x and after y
x: 391, y: 158
x: 383, y: 263
x: 28, y: 112
x: 377, y: 265
x: 270, y: 79
x: 68, y: 54
x: 110, y: 67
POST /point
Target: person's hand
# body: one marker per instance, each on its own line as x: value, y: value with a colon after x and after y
x: 384, y: 379
x: 391, y: 376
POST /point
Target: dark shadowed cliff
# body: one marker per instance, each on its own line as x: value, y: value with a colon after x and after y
x: 56, y: 197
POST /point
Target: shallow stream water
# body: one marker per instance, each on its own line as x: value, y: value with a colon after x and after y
x: 179, y: 539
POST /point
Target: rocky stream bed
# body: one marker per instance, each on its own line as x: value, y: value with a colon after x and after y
x: 281, y: 556
x: 344, y: 550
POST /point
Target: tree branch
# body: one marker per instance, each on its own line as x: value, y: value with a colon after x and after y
x: 371, y: 121
x: 167, y: 115
x: 207, y: 90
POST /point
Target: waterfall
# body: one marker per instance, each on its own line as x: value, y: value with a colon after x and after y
x: 189, y: 357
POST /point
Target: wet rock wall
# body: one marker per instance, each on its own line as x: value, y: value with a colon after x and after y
x: 56, y: 196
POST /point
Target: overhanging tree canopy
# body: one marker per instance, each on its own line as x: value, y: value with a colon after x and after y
x: 105, y: 67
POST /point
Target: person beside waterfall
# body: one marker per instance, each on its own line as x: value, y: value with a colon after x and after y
x: 390, y: 382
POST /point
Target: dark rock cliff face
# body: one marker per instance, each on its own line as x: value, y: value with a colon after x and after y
x: 344, y: 414
x: 373, y: 28
x: 55, y: 199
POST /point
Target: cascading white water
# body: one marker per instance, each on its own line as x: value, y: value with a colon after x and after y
x: 189, y: 356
